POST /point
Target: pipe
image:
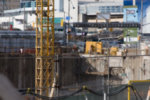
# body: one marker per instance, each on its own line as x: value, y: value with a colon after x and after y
x: 53, y: 89
x: 105, y: 96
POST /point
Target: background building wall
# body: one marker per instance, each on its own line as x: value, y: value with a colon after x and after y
x: 112, y: 7
x: 8, y: 4
x: 73, y: 10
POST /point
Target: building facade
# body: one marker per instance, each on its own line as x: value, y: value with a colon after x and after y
x: 8, y: 4
x: 88, y: 10
x: 25, y: 13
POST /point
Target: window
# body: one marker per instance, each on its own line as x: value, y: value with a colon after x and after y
x: 107, y: 9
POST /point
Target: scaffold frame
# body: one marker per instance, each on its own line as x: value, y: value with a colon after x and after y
x: 44, y: 64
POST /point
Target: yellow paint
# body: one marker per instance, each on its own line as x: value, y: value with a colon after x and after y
x: 129, y: 90
x: 136, y: 81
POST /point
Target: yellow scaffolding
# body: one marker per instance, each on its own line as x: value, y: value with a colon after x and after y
x: 44, y: 66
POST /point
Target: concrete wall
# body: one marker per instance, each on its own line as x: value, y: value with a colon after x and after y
x: 78, y: 70
x: 19, y: 69
x: 89, y: 68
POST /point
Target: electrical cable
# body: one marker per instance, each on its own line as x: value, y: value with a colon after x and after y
x: 118, y: 91
x: 134, y: 91
x: 84, y: 88
x: 53, y: 98
x: 91, y: 91
x: 138, y: 93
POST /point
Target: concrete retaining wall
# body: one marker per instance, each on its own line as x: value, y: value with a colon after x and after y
x: 19, y: 69
x: 78, y: 69
x: 88, y: 68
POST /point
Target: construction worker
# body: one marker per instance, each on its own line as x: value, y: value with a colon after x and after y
x: 75, y: 48
x: 92, y: 49
x: 125, y: 52
x: 146, y: 50
x: 21, y: 50
x: 148, y: 94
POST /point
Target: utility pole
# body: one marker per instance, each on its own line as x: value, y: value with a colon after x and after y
x: 68, y: 11
x: 141, y: 30
x: 108, y: 77
x: 24, y: 17
x: 3, y: 7
x: 108, y: 55
x: 68, y: 21
x: 141, y: 16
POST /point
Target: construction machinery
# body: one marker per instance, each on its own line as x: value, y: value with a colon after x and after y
x: 113, y: 51
x: 93, y: 47
x: 44, y: 67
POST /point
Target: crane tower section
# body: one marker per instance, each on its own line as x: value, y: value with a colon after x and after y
x: 44, y: 66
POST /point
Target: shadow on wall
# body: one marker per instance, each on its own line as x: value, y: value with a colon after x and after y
x: 77, y: 70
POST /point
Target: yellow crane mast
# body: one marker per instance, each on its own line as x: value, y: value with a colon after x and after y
x: 44, y: 66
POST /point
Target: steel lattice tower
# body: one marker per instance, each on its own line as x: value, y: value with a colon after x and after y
x: 44, y: 67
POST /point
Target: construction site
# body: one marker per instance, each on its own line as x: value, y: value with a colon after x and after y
x: 67, y: 50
